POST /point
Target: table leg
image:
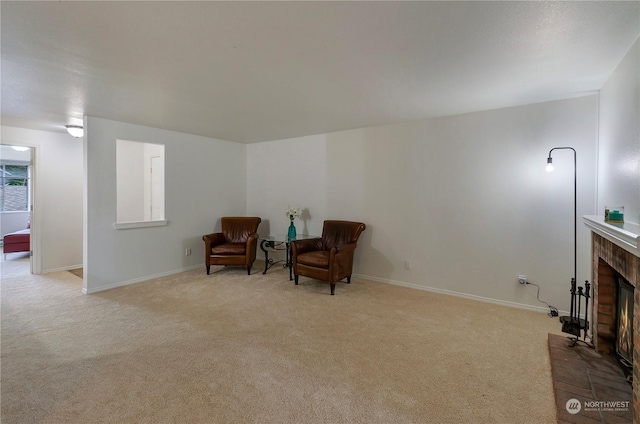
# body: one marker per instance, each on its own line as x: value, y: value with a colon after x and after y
x: 266, y: 255
x: 289, y: 261
x: 265, y: 245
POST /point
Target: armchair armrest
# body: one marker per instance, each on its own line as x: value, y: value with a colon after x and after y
x: 212, y: 240
x: 345, y: 247
x: 341, y: 260
x: 342, y: 251
x: 306, y: 245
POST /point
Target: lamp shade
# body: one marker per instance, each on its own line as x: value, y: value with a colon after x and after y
x: 75, y: 130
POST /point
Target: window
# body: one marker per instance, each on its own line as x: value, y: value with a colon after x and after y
x: 14, y: 187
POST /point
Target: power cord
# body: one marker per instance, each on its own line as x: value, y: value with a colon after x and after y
x: 553, y: 311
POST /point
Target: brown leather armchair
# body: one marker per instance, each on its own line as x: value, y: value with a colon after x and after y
x: 235, y: 245
x: 329, y: 258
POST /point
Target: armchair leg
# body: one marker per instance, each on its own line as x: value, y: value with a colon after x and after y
x: 333, y: 288
x: 208, y: 269
x: 295, y: 278
x: 249, y: 270
x: 349, y: 280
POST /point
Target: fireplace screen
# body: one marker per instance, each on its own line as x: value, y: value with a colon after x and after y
x: 624, y: 339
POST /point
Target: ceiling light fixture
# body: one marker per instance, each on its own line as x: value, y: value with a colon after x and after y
x: 75, y: 130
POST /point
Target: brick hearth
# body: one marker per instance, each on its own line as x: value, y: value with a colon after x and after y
x: 581, y: 373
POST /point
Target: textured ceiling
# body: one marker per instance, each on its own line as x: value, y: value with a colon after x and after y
x: 257, y: 71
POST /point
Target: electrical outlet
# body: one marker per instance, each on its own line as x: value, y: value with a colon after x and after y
x: 522, y: 279
x: 187, y: 251
x: 407, y: 264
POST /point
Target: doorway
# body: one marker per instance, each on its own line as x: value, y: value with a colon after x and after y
x: 16, y: 204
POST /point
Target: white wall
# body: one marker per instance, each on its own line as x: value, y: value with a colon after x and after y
x: 465, y: 199
x: 288, y: 172
x: 58, y: 196
x: 204, y: 180
x: 619, y: 148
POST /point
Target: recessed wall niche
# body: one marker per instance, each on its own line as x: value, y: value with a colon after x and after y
x: 139, y: 183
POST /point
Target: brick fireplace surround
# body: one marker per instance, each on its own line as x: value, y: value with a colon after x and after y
x: 614, y: 250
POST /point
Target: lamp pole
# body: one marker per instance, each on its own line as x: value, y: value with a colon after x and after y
x: 575, y: 205
x: 573, y: 324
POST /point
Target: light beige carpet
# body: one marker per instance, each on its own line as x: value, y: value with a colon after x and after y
x: 232, y: 348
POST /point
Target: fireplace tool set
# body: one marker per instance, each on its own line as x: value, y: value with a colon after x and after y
x: 573, y: 324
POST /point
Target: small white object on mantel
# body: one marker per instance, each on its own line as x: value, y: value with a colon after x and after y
x: 626, y: 235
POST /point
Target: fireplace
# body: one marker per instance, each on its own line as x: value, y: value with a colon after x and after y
x: 616, y: 295
x: 624, y: 323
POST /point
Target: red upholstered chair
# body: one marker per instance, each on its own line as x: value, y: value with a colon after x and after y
x: 329, y: 258
x: 235, y: 245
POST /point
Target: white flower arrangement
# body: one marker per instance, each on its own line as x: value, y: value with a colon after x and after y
x: 293, y: 212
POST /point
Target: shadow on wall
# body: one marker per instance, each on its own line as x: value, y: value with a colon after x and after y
x: 364, y: 187
x: 306, y: 216
x: 365, y: 249
x: 264, y: 229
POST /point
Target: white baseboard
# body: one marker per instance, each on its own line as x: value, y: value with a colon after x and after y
x: 141, y: 279
x: 458, y: 294
x: 541, y: 309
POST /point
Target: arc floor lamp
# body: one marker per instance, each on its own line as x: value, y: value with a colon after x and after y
x: 573, y: 324
x: 575, y: 203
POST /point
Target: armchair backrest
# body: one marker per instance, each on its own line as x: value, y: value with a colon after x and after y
x: 337, y: 233
x: 236, y: 229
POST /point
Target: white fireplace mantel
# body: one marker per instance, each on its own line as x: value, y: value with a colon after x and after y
x: 626, y: 235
